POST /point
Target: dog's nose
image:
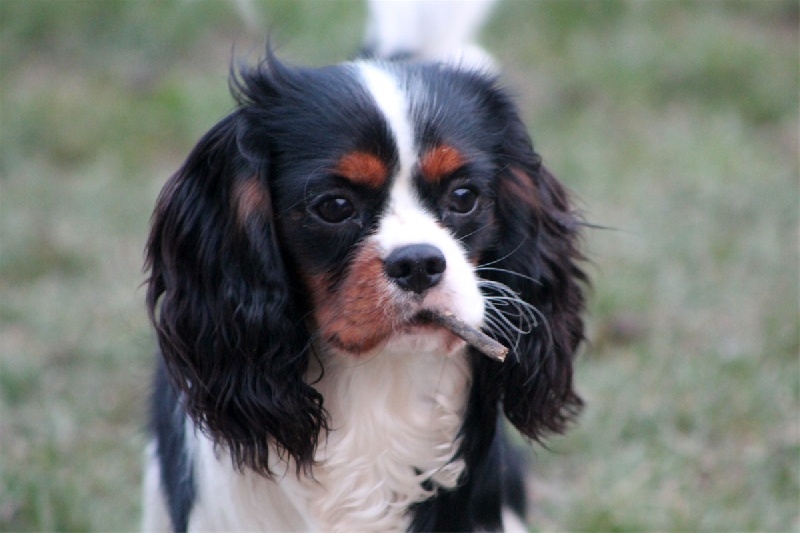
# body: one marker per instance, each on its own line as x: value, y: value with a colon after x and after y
x: 416, y: 267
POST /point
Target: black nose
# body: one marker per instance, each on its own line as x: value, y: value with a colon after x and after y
x: 416, y: 267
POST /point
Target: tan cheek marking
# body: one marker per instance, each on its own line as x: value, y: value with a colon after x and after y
x: 363, y: 168
x: 357, y: 315
x: 249, y: 199
x: 440, y: 162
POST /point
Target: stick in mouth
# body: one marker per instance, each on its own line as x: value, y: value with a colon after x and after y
x: 472, y: 336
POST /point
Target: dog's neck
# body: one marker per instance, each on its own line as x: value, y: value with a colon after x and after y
x: 394, y: 423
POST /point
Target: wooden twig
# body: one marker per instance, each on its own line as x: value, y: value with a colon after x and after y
x: 473, y: 336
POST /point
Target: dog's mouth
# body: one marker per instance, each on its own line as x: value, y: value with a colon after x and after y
x: 458, y: 329
x: 422, y: 319
x: 426, y: 320
x: 421, y: 334
x: 420, y: 324
x: 429, y: 330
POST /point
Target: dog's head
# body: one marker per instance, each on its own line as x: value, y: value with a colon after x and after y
x: 326, y: 213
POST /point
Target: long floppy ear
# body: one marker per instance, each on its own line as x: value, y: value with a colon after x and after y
x: 230, y: 330
x: 538, y: 258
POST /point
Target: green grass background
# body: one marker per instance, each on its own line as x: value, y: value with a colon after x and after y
x: 675, y: 123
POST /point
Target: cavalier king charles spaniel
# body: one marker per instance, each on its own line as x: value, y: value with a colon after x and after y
x: 294, y: 260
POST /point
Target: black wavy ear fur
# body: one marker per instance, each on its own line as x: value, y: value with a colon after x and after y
x: 539, y: 258
x: 229, y: 328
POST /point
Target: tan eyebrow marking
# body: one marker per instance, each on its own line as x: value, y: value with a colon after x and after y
x: 363, y: 168
x: 440, y: 162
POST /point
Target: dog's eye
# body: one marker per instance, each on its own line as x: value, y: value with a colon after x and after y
x: 462, y: 200
x: 334, y: 209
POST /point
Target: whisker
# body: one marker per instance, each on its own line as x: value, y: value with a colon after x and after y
x: 526, y: 314
x: 483, y: 268
x: 511, y: 317
x: 509, y: 254
x: 511, y: 299
x: 505, y: 333
x: 470, y: 234
x: 506, y: 324
x: 304, y: 198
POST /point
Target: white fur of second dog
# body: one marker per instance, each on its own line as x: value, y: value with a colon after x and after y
x: 431, y: 30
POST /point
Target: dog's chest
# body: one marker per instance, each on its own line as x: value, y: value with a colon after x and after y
x: 394, y: 431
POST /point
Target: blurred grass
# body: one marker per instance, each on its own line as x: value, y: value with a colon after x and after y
x: 675, y: 122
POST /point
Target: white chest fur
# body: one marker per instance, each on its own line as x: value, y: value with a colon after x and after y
x: 394, y: 428
x: 395, y: 421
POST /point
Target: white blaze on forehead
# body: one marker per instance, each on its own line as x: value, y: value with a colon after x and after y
x: 405, y: 221
x: 393, y: 103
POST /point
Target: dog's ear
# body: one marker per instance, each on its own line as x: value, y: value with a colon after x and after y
x: 538, y: 257
x: 229, y: 327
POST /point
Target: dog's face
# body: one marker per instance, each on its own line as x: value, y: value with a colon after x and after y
x: 384, y: 207
x: 332, y: 208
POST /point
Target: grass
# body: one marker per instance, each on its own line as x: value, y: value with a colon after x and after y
x: 675, y: 123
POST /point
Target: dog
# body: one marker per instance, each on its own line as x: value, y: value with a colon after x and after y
x: 293, y: 261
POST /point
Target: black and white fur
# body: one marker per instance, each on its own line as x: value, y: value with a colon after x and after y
x: 291, y: 259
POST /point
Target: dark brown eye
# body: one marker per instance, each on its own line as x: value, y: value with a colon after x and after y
x: 462, y: 200
x: 334, y: 209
